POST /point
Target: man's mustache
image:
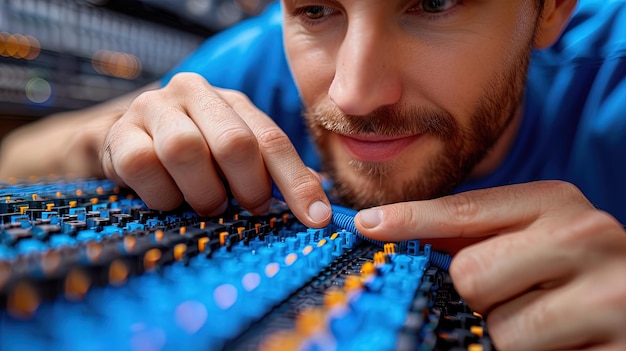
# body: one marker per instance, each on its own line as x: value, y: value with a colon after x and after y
x: 390, y: 121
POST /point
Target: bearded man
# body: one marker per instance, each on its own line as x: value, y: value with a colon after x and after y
x: 492, y: 128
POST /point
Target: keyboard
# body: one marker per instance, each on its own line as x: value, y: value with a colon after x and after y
x: 85, y: 265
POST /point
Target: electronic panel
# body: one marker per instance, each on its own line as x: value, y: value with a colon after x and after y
x: 85, y: 265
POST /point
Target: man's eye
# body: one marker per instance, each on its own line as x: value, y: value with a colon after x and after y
x: 434, y: 6
x: 317, y: 12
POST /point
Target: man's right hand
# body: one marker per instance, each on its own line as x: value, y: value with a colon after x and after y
x: 189, y: 141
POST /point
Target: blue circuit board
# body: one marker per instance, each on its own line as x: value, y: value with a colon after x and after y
x: 85, y: 265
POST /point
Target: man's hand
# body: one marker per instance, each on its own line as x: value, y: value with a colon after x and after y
x: 190, y: 141
x: 547, y: 269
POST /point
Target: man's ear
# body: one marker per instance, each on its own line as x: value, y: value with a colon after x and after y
x: 554, y: 18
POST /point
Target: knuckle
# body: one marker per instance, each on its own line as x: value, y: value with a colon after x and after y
x: 136, y: 163
x: 185, y: 79
x: 223, y: 99
x: 461, y: 208
x: 234, y: 142
x: 186, y: 84
x: 568, y: 192
x: 144, y: 100
x: 235, y: 97
x: 599, y: 220
x: 589, y: 228
x: 180, y: 148
x: 207, y: 100
x: 602, y: 220
x: 567, y: 189
x: 304, y: 186
x: 192, y: 86
x: 274, y: 140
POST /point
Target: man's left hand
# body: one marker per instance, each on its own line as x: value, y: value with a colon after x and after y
x: 546, y: 268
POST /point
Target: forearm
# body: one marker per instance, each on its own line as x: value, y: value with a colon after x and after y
x: 65, y: 144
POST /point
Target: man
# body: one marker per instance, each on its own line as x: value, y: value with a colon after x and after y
x: 406, y: 101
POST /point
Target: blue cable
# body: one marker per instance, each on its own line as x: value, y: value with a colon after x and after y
x: 343, y: 218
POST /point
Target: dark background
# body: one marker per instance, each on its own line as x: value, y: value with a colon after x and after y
x: 58, y: 55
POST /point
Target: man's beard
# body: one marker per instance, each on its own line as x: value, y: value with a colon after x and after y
x: 372, y: 184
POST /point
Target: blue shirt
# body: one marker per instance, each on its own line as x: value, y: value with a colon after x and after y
x: 574, y: 125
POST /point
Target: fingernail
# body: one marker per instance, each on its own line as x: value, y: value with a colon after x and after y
x: 319, y: 211
x: 370, y: 218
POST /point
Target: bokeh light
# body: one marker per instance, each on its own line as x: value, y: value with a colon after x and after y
x: 38, y: 90
x: 19, y: 46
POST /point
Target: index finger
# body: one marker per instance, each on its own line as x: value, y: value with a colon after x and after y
x: 472, y: 214
x: 300, y: 187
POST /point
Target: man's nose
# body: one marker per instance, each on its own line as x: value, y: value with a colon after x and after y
x: 366, y: 73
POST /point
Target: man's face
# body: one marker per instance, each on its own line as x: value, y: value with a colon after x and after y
x: 404, y: 98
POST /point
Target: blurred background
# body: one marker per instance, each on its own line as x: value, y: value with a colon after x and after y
x: 58, y: 55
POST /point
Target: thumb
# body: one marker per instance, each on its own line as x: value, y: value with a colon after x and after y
x: 410, y: 221
x: 472, y: 215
